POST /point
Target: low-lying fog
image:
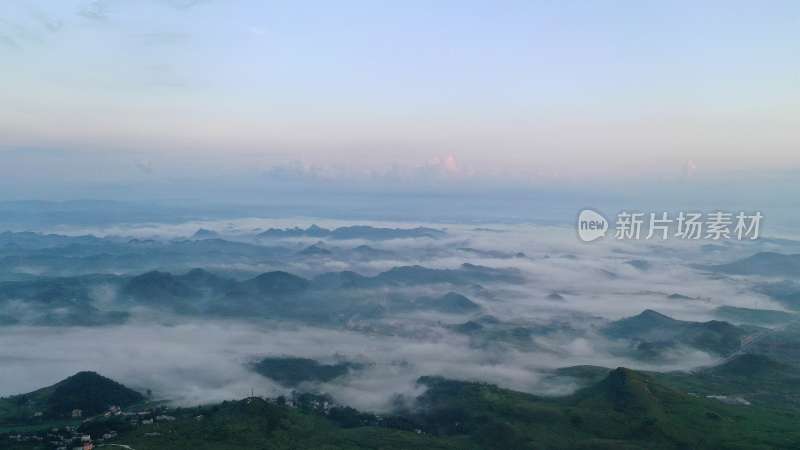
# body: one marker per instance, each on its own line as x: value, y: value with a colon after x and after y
x: 195, y: 360
x: 201, y: 361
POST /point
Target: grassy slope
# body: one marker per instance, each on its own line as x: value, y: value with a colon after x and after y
x: 256, y: 424
x: 626, y: 410
x: 88, y: 391
x: 756, y: 378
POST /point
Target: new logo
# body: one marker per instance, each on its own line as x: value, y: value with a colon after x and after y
x: 591, y: 225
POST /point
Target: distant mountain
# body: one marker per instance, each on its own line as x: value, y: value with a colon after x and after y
x: 755, y: 316
x: 163, y: 288
x: 368, y: 252
x: 491, y: 253
x: 206, y: 281
x: 55, y: 255
x: 6, y: 320
x: 278, y: 233
x: 488, y: 331
x: 781, y: 344
x: 55, y: 291
x: 640, y: 264
x: 64, y: 301
x: 341, y: 280
x: 290, y: 371
x: 160, y: 287
x: 185, y: 293
x: 334, y: 297
x: 354, y: 232
x: 470, y: 327
x: 315, y: 250
x: 270, y: 284
x: 203, y: 233
x: 654, y: 332
x: 466, y: 274
x: 648, y: 321
x: 381, y: 234
x: 785, y: 292
x: 77, y: 315
x: 765, y: 264
x: 448, y: 303
x: 752, y: 365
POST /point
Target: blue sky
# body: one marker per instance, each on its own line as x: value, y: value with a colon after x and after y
x: 531, y: 92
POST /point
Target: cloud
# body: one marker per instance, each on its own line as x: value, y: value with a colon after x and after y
x: 202, y: 361
x: 49, y: 23
x: 96, y: 10
x: 145, y: 166
x: 256, y: 30
x: 162, y: 38
x: 193, y: 361
x: 689, y: 169
x: 9, y: 42
x: 183, y: 4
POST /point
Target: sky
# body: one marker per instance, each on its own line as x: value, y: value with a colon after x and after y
x: 512, y: 93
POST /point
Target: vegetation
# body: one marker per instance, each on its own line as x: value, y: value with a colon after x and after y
x: 756, y: 379
x: 764, y: 317
x: 625, y: 409
x: 86, y: 391
x: 293, y: 371
x: 259, y: 424
x: 655, y: 332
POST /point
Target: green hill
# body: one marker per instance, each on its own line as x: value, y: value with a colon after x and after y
x: 625, y: 391
x: 754, y: 378
x: 625, y: 410
x: 258, y: 424
x: 753, y: 366
x: 88, y: 391
x: 782, y: 344
x: 764, y: 263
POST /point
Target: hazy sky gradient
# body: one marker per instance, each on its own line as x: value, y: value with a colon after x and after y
x: 534, y: 90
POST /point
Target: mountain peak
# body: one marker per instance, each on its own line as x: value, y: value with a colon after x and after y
x: 653, y: 314
x: 90, y: 392
x: 203, y: 233
x: 626, y: 391
x: 277, y: 282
